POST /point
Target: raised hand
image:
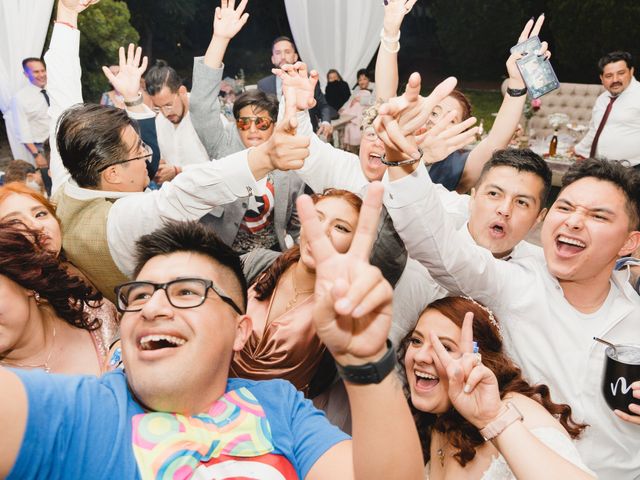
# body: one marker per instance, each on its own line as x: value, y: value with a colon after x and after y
x: 352, y: 310
x: 530, y: 29
x: 297, y: 77
x: 77, y: 5
x: 228, y: 20
x: 286, y: 150
x: 394, y: 12
x: 473, y: 388
x: 443, y: 138
x: 127, y: 82
x: 401, y: 117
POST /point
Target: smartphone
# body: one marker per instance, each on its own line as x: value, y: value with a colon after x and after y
x: 530, y: 45
x: 538, y: 75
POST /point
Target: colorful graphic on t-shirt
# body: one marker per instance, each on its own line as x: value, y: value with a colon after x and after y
x: 209, y: 446
x: 258, y: 214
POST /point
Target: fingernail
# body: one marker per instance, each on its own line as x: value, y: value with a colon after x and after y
x: 542, y: 14
x: 416, y: 155
x: 531, y: 19
x: 358, y: 311
x: 467, y: 389
x: 344, y: 304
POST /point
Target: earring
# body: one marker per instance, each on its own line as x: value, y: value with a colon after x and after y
x: 36, y: 296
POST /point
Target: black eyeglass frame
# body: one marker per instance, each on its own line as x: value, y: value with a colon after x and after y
x: 163, y: 286
x: 147, y: 157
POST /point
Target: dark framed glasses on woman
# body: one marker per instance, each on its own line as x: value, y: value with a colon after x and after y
x: 262, y: 123
x: 181, y: 293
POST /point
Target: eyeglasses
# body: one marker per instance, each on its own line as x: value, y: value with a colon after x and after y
x: 147, y: 156
x: 262, y: 123
x: 181, y: 293
x: 168, y: 107
x: 370, y: 134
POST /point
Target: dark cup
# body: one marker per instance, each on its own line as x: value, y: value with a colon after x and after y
x: 620, y: 371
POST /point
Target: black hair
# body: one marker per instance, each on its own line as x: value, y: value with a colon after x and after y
x: 284, y: 38
x: 259, y: 100
x: 193, y: 237
x: 89, y: 139
x: 32, y: 59
x: 613, y: 57
x: 363, y: 71
x: 625, y: 178
x: 161, y: 75
x: 523, y: 160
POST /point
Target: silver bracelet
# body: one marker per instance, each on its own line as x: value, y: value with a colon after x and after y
x: 401, y: 163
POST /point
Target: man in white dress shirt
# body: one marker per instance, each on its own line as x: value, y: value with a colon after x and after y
x: 31, y: 120
x: 614, y: 131
x: 178, y: 141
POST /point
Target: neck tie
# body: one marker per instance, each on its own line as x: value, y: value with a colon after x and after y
x: 46, y: 96
x: 594, y: 144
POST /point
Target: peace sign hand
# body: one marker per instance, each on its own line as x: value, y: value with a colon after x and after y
x: 473, y: 388
x: 530, y: 29
x: 127, y: 82
x: 352, y: 310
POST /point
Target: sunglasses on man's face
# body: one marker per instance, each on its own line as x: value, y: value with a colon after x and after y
x: 262, y: 123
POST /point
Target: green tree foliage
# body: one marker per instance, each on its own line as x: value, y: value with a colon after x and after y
x: 104, y: 28
x: 585, y: 30
x: 476, y: 34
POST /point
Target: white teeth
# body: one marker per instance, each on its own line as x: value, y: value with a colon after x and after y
x: 375, y: 155
x: 571, y: 241
x: 425, y: 375
x: 145, y: 342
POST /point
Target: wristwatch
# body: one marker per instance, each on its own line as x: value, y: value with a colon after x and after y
x: 516, y: 92
x: 497, y: 426
x: 136, y: 102
x: 372, y: 372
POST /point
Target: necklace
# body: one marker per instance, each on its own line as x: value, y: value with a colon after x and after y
x: 296, y: 292
x: 44, y: 365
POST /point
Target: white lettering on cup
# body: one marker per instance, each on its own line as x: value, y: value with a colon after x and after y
x: 623, y: 386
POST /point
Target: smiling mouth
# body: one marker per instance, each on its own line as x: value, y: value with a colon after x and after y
x: 158, y: 342
x: 375, y: 159
x: 569, y: 246
x: 425, y: 381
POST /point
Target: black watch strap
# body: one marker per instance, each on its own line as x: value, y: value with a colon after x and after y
x: 373, y: 372
x: 516, y: 92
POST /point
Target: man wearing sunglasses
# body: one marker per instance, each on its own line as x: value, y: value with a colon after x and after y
x: 174, y: 413
x: 264, y: 221
x: 99, y: 161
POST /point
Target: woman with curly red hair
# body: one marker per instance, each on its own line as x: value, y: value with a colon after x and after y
x: 476, y: 415
x: 45, y: 319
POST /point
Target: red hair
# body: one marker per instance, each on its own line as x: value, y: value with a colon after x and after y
x: 464, y: 102
x: 22, y: 189
x: 462, y: 435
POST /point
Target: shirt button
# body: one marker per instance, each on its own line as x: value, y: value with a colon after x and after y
x: 391, y: 196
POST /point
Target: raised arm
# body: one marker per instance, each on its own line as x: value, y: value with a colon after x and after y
x: 207, y: 76
x: 352, y: 315
x: 63, y: 76
x: 508, y: 116
x: 387, y: 60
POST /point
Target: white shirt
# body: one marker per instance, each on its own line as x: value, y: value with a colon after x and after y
x: 30, y: 117
x: 542, y: 332
x: 188, y: 197
x: 620, y: 137
x: 179, y: 144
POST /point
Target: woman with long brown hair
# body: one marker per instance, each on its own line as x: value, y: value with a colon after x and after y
x: 25, y: 209
x: 476, y: 415
x: 283, y: 343
x: 44, y: 310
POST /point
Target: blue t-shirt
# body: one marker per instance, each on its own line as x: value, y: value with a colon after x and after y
x: 81, y: 427
x: 448, y: 172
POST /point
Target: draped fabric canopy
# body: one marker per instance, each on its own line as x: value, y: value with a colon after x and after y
x: 340, y: 34
x: 23, y: 29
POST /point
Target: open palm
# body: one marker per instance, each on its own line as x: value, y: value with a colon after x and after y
x: 297, y: 77
x: 228, y: 20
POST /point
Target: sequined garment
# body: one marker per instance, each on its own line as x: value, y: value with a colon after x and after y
x: 108, y: 332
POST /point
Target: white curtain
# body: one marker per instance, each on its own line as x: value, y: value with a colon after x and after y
x: 23, y: 29
x: 340, y: 34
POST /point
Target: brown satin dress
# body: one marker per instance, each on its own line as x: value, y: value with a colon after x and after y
x: 286, y: 347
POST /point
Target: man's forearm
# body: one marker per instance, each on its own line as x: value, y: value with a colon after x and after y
x: 383, y: 431
x: 215, y: 53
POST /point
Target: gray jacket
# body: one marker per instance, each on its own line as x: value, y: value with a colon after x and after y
x: 220, y: 141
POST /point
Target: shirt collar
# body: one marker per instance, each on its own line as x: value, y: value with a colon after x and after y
x: 74, y: 191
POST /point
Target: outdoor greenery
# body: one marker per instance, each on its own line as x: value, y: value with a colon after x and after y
x: 105, y: 27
